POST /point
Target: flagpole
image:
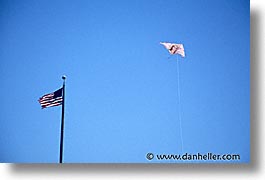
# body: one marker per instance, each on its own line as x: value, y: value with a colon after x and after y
x: 62, y: 123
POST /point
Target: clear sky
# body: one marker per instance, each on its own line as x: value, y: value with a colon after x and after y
x: 121, y: 88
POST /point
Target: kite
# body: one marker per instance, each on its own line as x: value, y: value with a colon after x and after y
x: 174, y: 48
x: 177, y: 49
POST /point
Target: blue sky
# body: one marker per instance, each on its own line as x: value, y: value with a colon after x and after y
x: 121, y: 88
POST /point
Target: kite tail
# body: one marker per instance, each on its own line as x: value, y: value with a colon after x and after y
x: 179, y: 109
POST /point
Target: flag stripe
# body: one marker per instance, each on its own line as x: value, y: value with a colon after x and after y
x: 51, y: 105
x: 50, y: 100
x: 46, y: 97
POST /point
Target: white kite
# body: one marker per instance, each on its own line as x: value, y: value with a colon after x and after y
x: 174, y: 48
x: 177, y: 49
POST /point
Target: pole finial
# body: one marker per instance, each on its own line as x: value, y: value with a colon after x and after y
x: 63, y: 77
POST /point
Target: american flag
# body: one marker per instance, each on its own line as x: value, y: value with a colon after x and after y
x: 52, y: 99
x: 174, y: 48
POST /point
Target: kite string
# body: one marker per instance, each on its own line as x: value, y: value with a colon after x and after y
x: 179, y: 109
